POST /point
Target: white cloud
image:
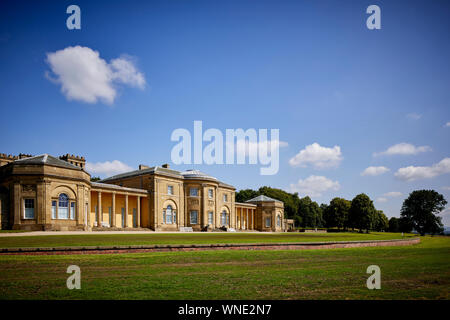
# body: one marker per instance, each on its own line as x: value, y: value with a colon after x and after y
x: 86, y: 77
x: 414, y: 116
x: 374, y: 171
x: 107, y: 168
x: 447, y: 124
x: 317, y: 156
x: 382, y: 199
x: 314, y: 186
x: 447, y: 188
x: 413, y: 173
x: 403, y: 149
x: 393, y: 194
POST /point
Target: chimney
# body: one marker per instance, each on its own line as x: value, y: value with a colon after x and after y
x: 143, y: 167
x: 166, y: 165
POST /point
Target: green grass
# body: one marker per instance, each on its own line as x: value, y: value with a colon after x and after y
x: 407, y: 272
x: 184, y: 238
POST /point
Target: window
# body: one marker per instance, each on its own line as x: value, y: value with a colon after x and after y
x: 278, y: 221
x: 223, y: 218
x: 110, y: 216
x: 134, y: 218
x: 72, y: 210
x: 194, y: 217
x: 169, y: 214
x: 170, y: 190
x: 225, y: 198
x: 63, y: 206
x: 210, y: 193
x: 193, y: 192
x: 267, y: 222
x: 29, y: 208
x: 210, y: 217
x: 54, y: 209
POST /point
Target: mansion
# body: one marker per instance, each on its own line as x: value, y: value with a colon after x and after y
x: 56, y: 193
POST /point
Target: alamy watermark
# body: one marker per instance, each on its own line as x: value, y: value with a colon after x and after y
x: 237, y: 147
x: 374, y: 281
x: 74, y: 281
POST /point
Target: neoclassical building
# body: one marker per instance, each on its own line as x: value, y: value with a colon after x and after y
x: 56, y: 193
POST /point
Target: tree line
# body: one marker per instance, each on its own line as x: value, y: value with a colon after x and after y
x: 418, y: 211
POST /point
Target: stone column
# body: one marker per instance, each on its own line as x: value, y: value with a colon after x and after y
x: 138, y: 218
x: 17, y: 203
x: 99, y: 209
x: 126, y: 211
x: 113, y: 209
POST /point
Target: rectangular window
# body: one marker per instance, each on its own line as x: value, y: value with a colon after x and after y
x: 53, y: 209
x: 223, y: 218
x: 193, y: 192
x: 134, y: 218
x: 210, y: 217
x: 267, y: 222
x: 110, y: 215
x: 123, y: 217
x: 194, y: 217
x: 210, y: 193
x: 225, y: 198
x: 29, y: 208
x: 72, y: 210
x: 170, y: 190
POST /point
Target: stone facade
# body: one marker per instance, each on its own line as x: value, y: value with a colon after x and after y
x: 49, y: 193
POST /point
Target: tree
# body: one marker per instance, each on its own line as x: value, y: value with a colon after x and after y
x: 420, y: 210
x: 246, y: 194
x: 362, y: 213
x: 404, y: 225
x: 336, y: 214
x: 381, y: 221
x: 95, y: 179
x: 394, y: 225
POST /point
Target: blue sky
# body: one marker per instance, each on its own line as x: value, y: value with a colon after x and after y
x: 309, y: 68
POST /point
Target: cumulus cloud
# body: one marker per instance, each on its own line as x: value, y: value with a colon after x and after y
x: 403, y: 149
x: 107, y: 168
x: 382, y: 199
x: 414, y: 116
x: 85, y: 76
x: 374, y: 171
x: 393, y: 194
x: 414, y: 173
x: 317, y: 156
x: 314, y: 186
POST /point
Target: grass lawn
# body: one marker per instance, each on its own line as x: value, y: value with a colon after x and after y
x: 184, y: 238
x: 407, y: 272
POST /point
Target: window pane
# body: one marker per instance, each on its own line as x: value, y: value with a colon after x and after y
x: 170, y: 190
x: 210, y: 193
x: 267, y: 222
x: 63, y: 206
x: 29, y: 208
x: 169, y: 214
x: 210, y: 218
x: 53, y: 209
x: 72, y: 210
x: 193, y: 216
x: 194, y: 192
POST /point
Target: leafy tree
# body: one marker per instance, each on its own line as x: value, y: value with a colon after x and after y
x: 94, y: 179
x: 336, y: 214
x: 405, y: 225
x: 420, y: 210
x: 245, y: 194
x: 394, y: 225
x: 362, y: 213
x: 381, y: 221
x: 310, y: 212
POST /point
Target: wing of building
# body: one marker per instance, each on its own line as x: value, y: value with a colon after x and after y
x: 56, y: 193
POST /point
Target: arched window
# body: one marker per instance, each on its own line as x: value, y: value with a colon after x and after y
x: 63, y: 206
x: 278, y: 221
x: 169, y: 215
x: 224, y: 218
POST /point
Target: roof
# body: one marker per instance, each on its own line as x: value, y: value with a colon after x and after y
x: 48, y: 160
x: 188, y: 174
x: 116, y: 187
x: 263, y: 198
x: 196, y: 174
